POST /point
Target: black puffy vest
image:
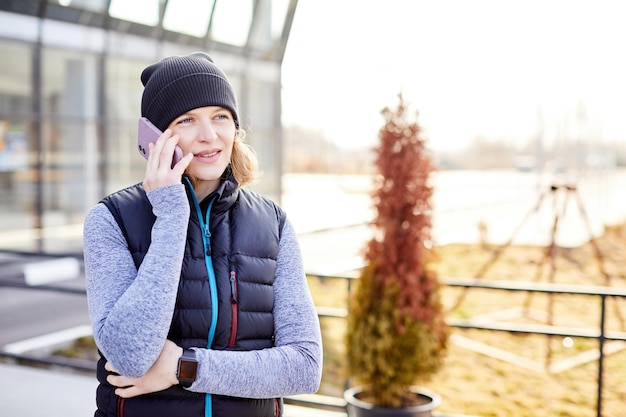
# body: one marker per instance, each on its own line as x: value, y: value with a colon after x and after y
x: 244, y: 237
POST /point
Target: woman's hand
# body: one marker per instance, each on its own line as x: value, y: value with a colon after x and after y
x: 159, y: 170
x: 160, y: 376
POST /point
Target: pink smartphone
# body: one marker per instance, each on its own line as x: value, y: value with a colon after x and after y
x: 150, y: 133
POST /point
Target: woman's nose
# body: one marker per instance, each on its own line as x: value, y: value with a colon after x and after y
x: 207, y: 131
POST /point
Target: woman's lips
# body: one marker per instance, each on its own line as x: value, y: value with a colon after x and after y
x: 208, y: 156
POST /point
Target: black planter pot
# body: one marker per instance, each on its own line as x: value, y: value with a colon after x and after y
x: 359, y: 408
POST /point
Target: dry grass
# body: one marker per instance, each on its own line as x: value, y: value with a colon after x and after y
x: 477, y: 384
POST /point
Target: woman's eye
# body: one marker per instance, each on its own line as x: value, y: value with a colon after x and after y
x: 222, y: 116
x: 184, y: 121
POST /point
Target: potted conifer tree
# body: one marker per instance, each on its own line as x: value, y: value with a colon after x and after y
x: 396, y: 334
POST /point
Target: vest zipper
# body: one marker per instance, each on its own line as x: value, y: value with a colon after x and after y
x: 233, y: 309
x: 206, y: 240
x: 120, y: 407
x: 205, y: 228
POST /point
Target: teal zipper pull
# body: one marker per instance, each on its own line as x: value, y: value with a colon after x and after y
x: 207, y: 234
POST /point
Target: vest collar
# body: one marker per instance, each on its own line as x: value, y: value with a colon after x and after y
x: 225, y: 195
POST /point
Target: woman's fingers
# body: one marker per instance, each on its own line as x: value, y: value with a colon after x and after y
x: 157, y: 149
x: 182, y: 165
x: 167, y: 152
x: 109, y: 367
x: 120, y: 381
x: 159, y: 170
x: 160, y: 376
x: 125, y: 386
x: 128, y: 392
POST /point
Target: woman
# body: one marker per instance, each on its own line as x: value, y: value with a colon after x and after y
x: 196, y: 289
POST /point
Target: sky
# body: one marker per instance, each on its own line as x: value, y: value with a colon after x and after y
x: 500, y: 69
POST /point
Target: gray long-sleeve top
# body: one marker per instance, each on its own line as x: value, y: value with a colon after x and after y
x: 131, y: 309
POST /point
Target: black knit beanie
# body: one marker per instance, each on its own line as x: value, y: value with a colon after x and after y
x: 177, y: 84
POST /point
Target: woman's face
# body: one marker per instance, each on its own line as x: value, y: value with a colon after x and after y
x: 208, y: 133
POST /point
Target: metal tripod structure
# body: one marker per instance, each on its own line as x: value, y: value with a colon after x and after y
x: 567, y: 191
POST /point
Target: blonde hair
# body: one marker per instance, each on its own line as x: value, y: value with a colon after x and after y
x: 243, y: 161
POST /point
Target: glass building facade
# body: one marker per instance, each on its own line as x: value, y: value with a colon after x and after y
x: 70, y: 98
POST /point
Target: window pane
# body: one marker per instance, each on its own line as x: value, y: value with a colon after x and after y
x: 279, y: 12
x: 188, y: 16
x: 15, y: 80
x: 92, y: 5
x: 269, y: 23
x: 70, y: 97
x: 124, y: 165
x: 141, y: 11
x: 16, y: 186
x: 231, y: 22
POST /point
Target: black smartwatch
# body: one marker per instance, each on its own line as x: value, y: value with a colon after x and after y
x: 187, y: 368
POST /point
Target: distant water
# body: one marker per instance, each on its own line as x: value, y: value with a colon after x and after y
x: 521, y: 206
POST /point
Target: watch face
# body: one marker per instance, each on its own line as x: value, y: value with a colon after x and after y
x: 187, y: 370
